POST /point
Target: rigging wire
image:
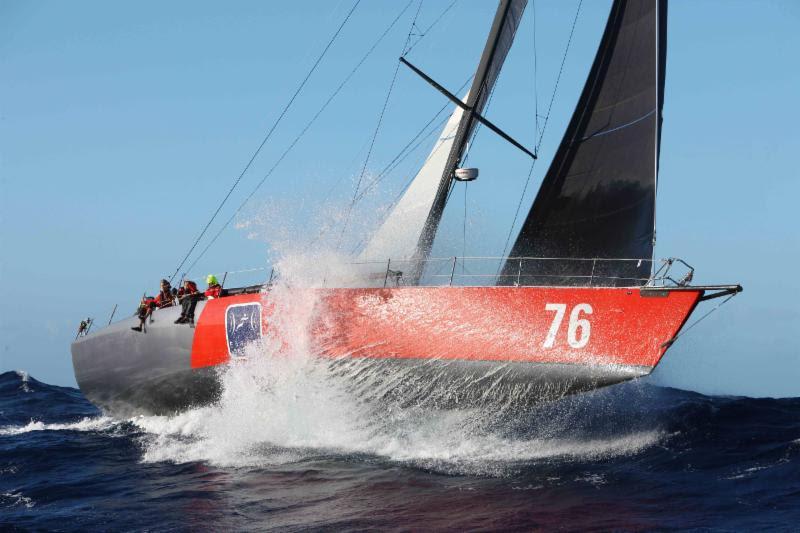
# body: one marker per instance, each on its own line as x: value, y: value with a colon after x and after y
x: 425, y: 32
x: 303, y: 132
x: 401, y: 156
x: 377, y: 128
x: 693, y: 324
x: 560, y: 71
x: 404, y: 153
x: 546, y: 118
x: 464, y: 230
x: 266, y: 138
x: 535, y: 72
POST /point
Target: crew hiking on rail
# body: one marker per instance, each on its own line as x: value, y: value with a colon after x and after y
x: 191, y: 296
x: 168, y: 296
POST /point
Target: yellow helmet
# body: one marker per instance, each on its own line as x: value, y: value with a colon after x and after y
x: 211, y: 279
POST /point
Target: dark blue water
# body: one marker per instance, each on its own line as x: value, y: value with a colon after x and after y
x: 631, y: 457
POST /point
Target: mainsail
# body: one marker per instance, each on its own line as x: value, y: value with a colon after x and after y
x: 410, y: 228
x: 597, y: 199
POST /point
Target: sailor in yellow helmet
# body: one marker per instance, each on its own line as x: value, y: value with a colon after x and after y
x: 214, y: 288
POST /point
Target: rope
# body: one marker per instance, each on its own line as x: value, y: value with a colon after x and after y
x: 399, y: 159
x: 679, y: 335
x: 560, y: 71
x: 424, y: 33
x: 377, y: 129
x: 266, y: 138
x: 403, y: 189
x: 547, y: 117
x: 464, y: 229
x: 402, y: 155
x: 535, y: 72
x: 303, y: 132
x: 366, y: 159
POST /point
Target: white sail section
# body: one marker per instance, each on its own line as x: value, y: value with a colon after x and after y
x: 397, y: 239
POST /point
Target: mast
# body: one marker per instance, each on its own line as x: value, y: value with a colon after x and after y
x: 501, y: 37
x: 407, y: 234
x: 597, y: 199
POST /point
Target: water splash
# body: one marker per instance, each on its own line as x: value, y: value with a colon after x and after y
x: 282, y: 407
x: 283, y: 402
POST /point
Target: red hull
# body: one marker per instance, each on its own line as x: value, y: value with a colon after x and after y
x: 545, y: 325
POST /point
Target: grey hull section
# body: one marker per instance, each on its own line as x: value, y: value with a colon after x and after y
x: 126, y: 372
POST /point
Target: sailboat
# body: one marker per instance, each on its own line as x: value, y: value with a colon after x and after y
x: 578, y: 304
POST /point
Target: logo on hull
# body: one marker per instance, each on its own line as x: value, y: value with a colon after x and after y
x: 242, y: 326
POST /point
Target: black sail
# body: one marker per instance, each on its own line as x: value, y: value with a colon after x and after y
x: 598, y: 197
x: 501, y: 37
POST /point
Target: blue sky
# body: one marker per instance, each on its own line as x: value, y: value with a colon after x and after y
x: 122, y: 125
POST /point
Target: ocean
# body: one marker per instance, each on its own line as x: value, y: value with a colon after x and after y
x: 289, y: 455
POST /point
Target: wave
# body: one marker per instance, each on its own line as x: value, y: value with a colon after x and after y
x: 14, y: 499
x: 101, y: 423
x: 290, y: 440
x: 277, y: 409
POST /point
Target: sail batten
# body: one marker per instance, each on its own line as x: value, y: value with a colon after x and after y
x: 597, y: 199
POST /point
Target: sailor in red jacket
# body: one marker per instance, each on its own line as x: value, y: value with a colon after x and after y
x: 188, y: 301
x: 165, y: 297
x: 214, y: 288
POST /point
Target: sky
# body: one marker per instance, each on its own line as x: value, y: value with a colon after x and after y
x: 123, y: 125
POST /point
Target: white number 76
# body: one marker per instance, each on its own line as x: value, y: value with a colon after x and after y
x: 575, y: 324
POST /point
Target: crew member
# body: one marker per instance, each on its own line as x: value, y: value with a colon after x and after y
x: 165, y: 297
x: 214, y: 288
x: 144, y: 311
x: 188, y: 301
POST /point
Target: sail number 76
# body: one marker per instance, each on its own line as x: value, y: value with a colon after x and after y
x: 579, y: 328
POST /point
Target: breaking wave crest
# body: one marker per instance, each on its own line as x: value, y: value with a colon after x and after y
x: 100, y: 423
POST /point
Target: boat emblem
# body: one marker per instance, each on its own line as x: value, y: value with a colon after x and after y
x: 242, y: 326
